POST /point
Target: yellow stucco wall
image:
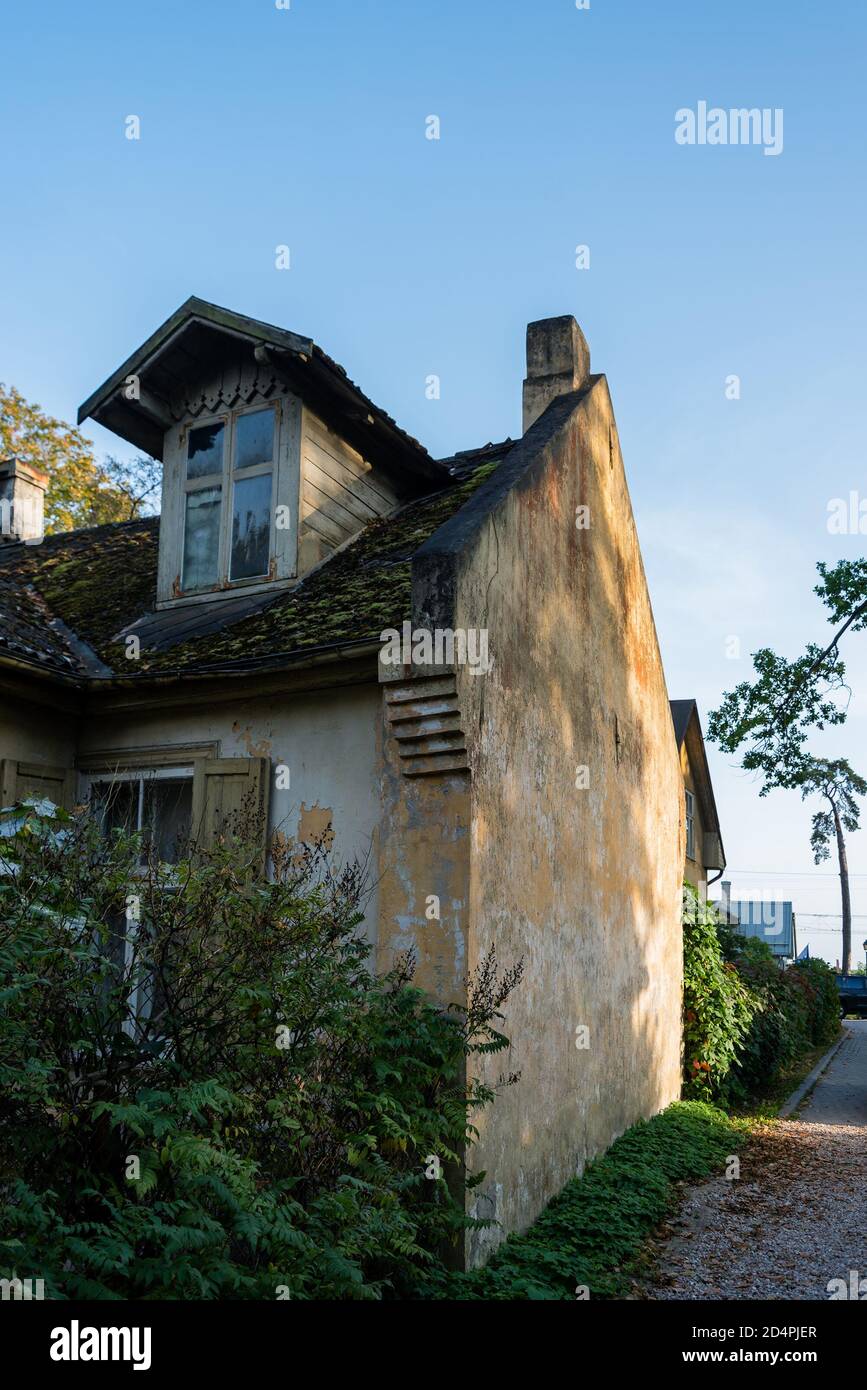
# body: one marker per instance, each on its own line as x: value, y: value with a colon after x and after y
x: 583, y: 885
x: 424, y: 874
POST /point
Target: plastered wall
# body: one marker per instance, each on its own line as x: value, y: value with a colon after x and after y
x: 576, y: 837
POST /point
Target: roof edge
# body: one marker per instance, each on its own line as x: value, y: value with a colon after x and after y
x: 191, y: 309
x: 692, y: 735
x: 434, y: 563
x: 304, y: 366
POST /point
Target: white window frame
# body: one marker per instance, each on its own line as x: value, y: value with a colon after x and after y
x: 226, y: 480
x: 689, y: 801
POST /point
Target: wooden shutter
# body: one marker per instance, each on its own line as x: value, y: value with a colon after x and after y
x: 41, y: 780
x: 224, y: 787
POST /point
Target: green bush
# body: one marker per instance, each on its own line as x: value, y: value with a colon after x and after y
x: 780, y: 1029
x: 718, y: 1008
x: 219, y: 1099
x: 592, y: 1232
x: 797, y: 1009
x: 820, y: 984
x: 746, y: 1020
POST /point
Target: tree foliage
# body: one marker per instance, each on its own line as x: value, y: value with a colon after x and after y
x: 839, y: 785
x: 769, y: 720
x: 794, y: 1009
x: 774, y: 714
x: 81, y: 491
x: 843, y: 590
x: 220, y: 1099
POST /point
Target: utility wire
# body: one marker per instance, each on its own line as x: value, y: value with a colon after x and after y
x: 790, y: 873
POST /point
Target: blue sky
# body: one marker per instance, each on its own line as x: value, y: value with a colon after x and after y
x: 306, y: 127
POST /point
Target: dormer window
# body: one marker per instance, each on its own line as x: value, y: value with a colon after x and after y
x: 272, y: 458
x: 229, y: 499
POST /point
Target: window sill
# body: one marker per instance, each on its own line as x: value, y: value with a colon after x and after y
x: 240, y: 588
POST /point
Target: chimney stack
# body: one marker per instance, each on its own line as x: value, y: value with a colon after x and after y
x: 726, y: 890
x: 22, y: 501
x: 558, y: 361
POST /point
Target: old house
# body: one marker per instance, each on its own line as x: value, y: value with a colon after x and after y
x: 703, y: 846
x: 448, y: 666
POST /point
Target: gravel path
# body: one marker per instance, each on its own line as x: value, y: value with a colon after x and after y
x: 797, y: 1216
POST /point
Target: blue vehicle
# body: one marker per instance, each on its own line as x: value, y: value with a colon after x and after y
x: 852, y: 990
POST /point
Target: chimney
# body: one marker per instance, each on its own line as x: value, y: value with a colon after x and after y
x: 726, y: 890
x: 22, y: 501
x: 558, y: 361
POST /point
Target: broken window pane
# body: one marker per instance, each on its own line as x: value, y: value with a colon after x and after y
x: 254, y: 438
x: 205, y: 451
x: 117, y: 805
x: 251, y: 526
x: 167, y: 817
x: 202, y: 538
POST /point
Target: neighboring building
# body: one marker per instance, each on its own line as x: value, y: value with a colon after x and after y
x: 771, y: 921
x: 703, y: 852
x: 536, y: 798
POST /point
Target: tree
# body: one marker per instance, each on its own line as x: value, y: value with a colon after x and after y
x: 843, y: 591
x: 137, y: 480
x: 789, y: 698
x: 773, y: 716
x: 81, y: 491
x: 749, y: 718
x: 839, y: 785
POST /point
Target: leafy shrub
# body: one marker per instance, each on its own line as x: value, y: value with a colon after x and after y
x: 219, y: 1099
x: 819, y: 982
x: 786, y: 1012
x: 779, y: 1031
x: 718, y: 1008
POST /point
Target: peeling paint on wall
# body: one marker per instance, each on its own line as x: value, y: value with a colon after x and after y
x: 316, y: 825
x: 262, y: 749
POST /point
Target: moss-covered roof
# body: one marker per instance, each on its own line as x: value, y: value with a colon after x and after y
x: 27, y: 633
x: 101, y: 581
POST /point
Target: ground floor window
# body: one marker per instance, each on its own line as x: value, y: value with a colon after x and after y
x: 158, y: 804
x: 155, y: 802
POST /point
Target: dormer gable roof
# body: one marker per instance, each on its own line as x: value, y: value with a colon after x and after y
x: 201, y: 337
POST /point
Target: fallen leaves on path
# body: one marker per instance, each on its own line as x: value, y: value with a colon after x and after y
x: 795, y: 1219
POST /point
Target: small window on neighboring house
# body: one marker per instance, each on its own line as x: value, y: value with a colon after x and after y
x: 690, y: 825
x: 228, y: 500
